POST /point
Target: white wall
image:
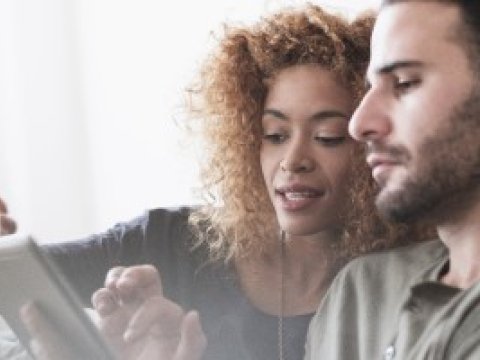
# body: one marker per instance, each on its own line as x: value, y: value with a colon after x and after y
x: 89, y: 94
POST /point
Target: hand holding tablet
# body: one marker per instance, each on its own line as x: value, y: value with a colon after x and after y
x: 136, y: 322
x: 28, y: 276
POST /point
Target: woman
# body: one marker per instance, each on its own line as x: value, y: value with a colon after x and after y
x: 288, y: 193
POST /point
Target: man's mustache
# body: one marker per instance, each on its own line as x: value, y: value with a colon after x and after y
x: 396, y: 153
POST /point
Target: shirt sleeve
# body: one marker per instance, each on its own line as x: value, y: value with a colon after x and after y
x: 151, y: 238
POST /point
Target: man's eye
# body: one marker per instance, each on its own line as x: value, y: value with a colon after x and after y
x: 330, y: 140
x: 402, y: 86
x: 275, y: 138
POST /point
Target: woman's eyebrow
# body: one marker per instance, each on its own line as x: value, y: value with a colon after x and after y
x: 328, y: 114
x: 275, y: 113
x: 318, y: 116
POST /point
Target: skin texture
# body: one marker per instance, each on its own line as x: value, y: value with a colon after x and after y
x: 136, y: 318
x: 420, y: 120
x: 306, y: 162
x: 414, y: 124
x: 306, y: 148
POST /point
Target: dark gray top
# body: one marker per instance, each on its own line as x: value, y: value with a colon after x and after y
x: 234, y: 328
x: 390, y: 306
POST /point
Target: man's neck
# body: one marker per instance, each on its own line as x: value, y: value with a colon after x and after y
x: 462, y: 237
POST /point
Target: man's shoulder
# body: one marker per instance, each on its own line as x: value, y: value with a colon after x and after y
x: 419, y: 254
x: 366, y: 295
x: 406, y: 262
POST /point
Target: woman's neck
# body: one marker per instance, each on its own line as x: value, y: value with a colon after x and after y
x: 307, y: 267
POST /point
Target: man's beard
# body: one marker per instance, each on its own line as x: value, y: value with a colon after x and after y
x: 446, y: 173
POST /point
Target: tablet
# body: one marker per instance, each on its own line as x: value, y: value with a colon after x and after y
x: 27, y: 274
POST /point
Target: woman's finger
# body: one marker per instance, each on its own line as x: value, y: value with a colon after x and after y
x: 157, y: 317
x: 112, y: 277
x: 104, y: 302
x: 193, y: 341
x: 137, y: 283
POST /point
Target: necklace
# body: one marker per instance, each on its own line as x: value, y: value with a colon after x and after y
x: 282, y: 296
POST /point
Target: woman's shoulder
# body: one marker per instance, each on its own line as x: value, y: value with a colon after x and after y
x: 156, y: 222
x: 167, y: 231
x: 163, y: 216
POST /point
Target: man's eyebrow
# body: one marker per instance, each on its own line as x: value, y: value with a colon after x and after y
x: 319, y: 116
x: 388, y: 68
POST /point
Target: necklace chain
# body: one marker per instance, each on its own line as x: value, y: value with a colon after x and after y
x: 281, y: 355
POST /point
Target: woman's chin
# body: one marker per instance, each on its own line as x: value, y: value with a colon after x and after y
x: 301, y: 228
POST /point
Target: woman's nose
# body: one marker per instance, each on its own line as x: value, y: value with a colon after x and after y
x: 297, y: 159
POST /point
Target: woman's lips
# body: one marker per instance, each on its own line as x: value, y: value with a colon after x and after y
x: 297, y: 197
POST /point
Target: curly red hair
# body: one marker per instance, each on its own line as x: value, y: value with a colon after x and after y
x: 228, y: 101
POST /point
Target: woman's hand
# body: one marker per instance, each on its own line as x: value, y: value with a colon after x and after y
x: 139, y: 323
x: 134, y: 317
x: 7, y: 224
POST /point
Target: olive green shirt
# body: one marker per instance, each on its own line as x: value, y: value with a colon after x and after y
x: 390, y: 306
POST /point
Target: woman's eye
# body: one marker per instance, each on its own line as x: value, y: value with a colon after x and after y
x: 275, y: 138
x: 330, y: 140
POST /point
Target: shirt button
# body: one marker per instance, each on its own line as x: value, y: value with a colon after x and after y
x: 389, y: 353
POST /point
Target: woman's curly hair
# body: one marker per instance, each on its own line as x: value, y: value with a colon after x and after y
x: 228, y: 100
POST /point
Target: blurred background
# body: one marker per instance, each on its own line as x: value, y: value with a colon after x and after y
x: 91, y: 94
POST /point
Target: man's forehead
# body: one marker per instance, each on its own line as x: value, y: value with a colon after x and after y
x: 412, y: 31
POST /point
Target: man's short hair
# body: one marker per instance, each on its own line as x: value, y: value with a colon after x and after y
x: 468, y: 33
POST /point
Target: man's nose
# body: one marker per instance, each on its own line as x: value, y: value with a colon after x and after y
x: 370, y: 121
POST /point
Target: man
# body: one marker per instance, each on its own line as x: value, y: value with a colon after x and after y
x: 420, y: 120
